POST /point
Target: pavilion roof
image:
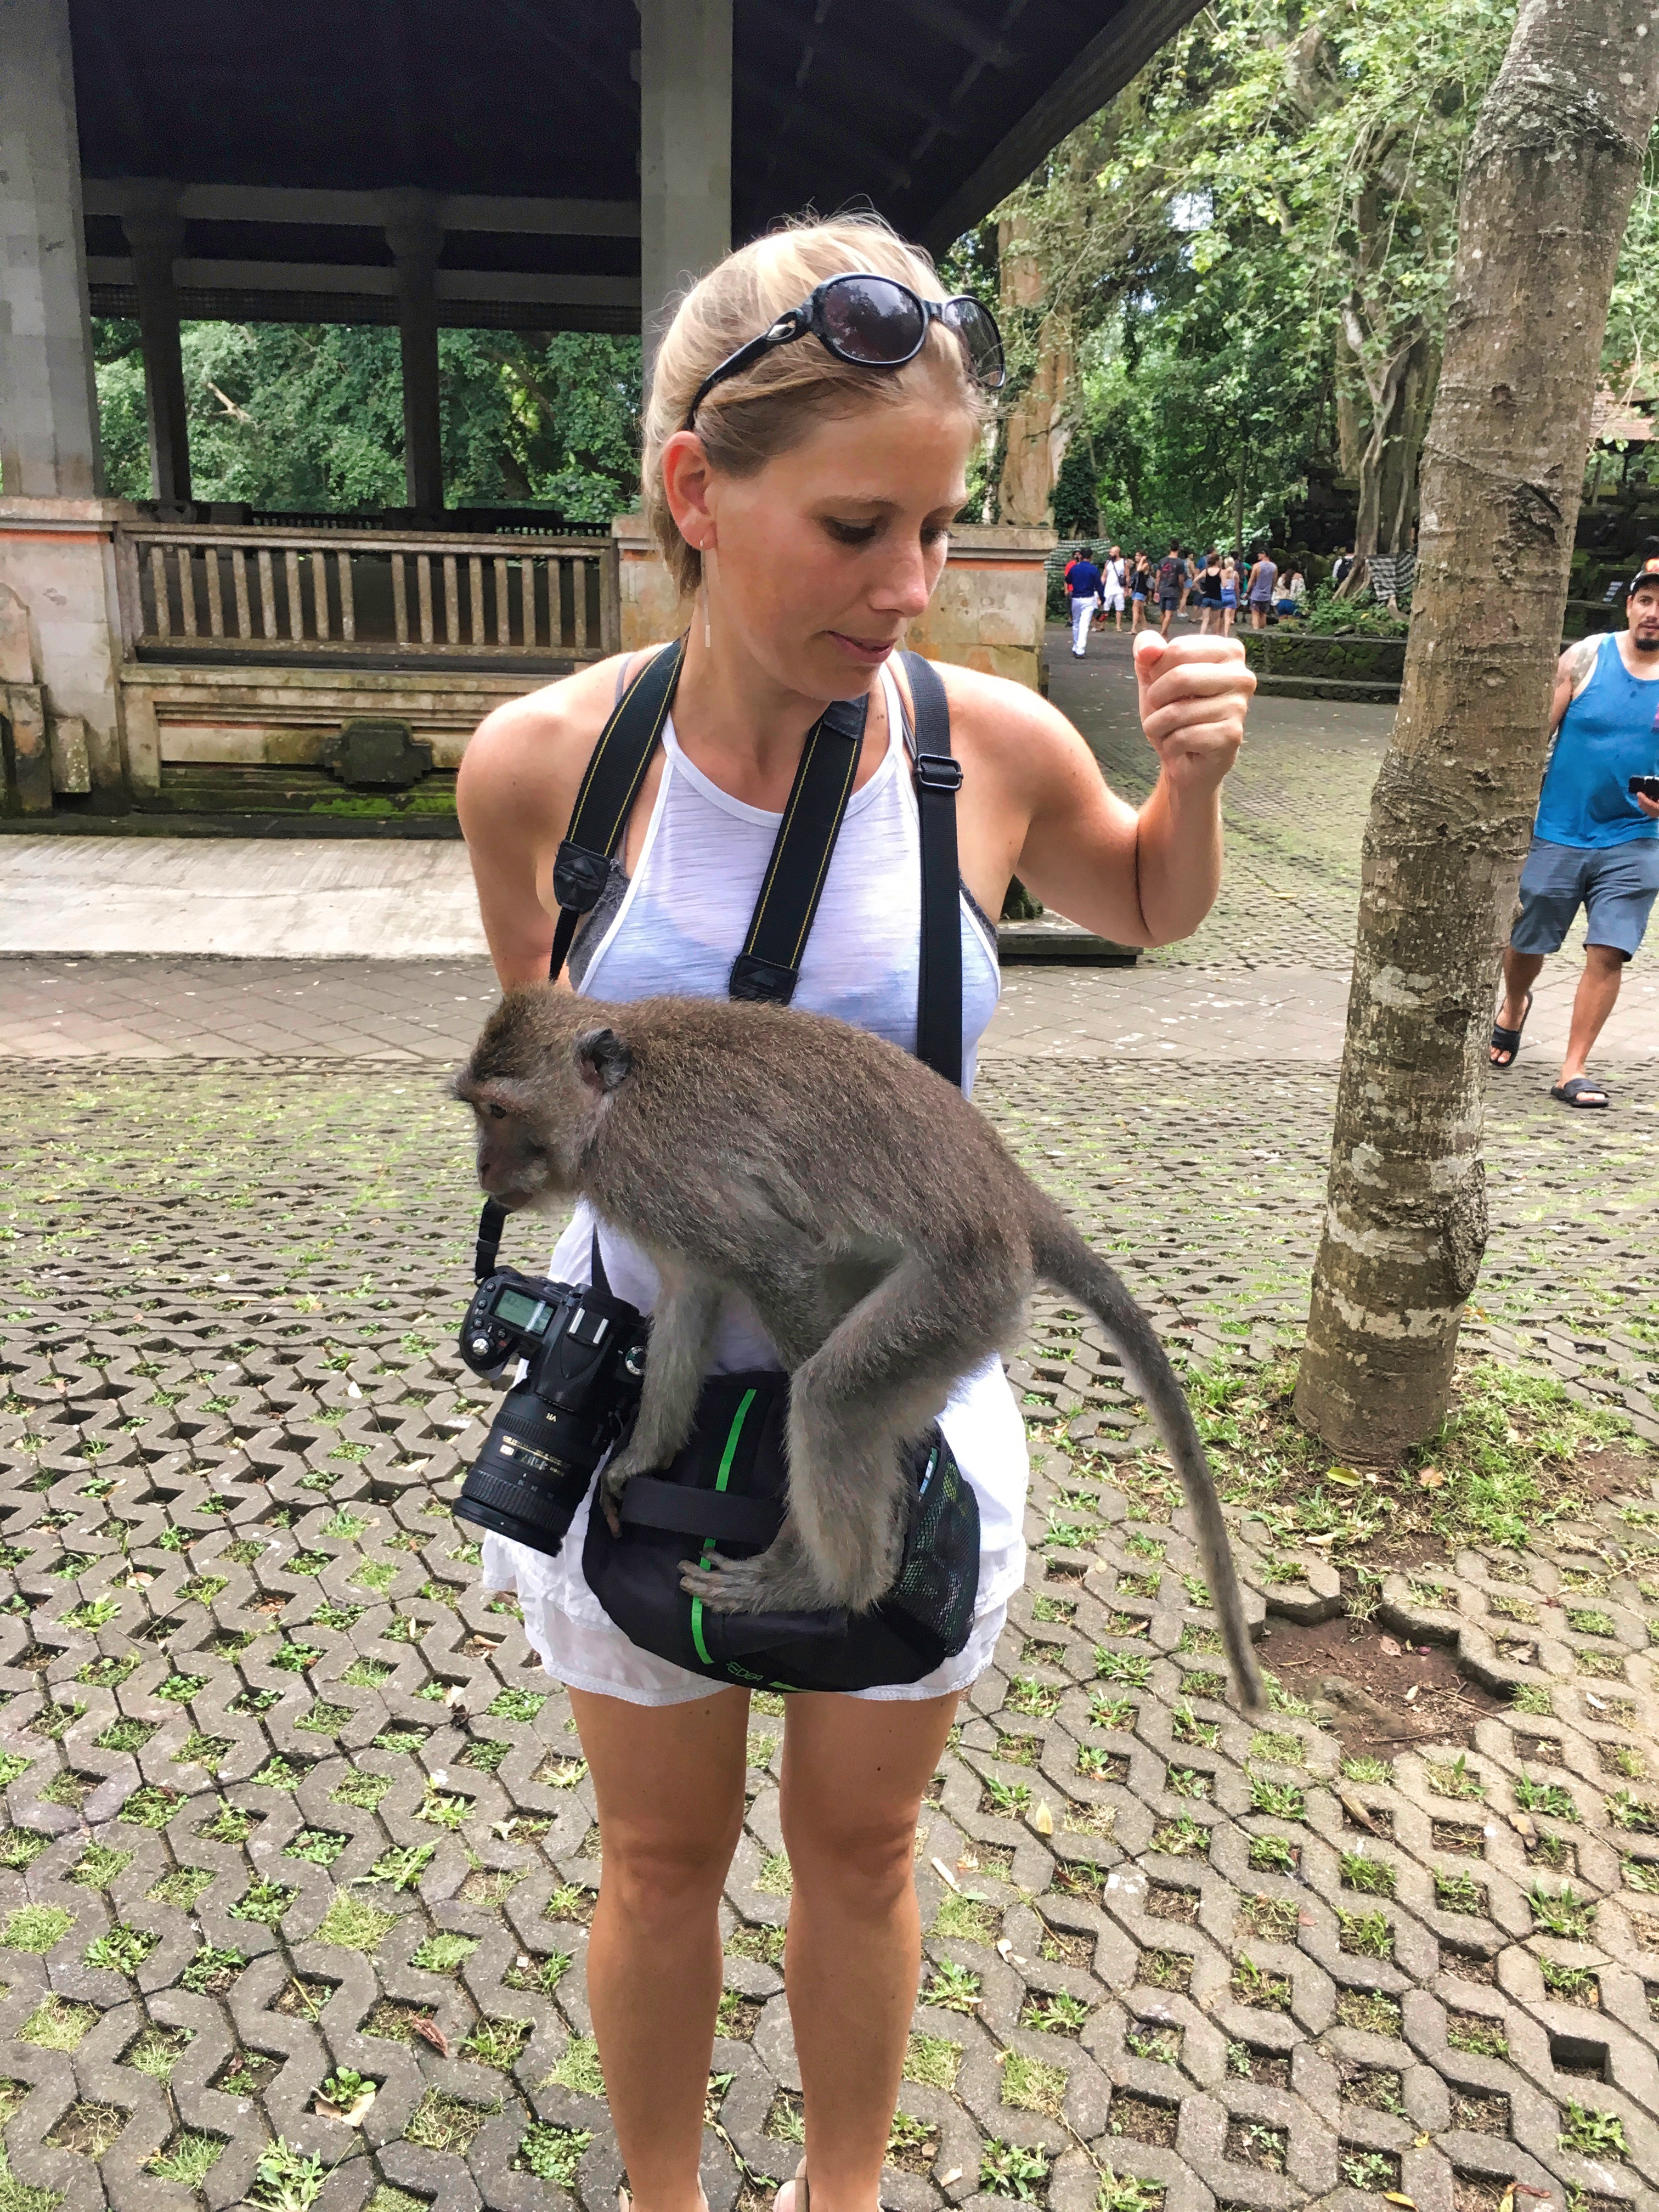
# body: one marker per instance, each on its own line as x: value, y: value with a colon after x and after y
x: 287, y: 119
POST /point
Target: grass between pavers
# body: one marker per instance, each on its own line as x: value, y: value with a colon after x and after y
x: 1515, y: 1455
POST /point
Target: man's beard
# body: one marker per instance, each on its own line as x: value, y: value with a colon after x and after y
x: 1645, y: 644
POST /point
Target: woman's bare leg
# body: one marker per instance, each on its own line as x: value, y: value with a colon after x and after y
x: 853, y: 1774
x: 669, y: 1782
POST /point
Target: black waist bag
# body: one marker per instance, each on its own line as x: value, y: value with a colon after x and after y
x: 725, y: 1491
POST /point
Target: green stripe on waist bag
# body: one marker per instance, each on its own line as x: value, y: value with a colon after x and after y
x: 720, y: 1480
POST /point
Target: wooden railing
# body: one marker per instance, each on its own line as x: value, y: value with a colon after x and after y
x: 224, y: 593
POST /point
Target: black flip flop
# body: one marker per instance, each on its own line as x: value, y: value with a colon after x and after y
x: 1571, y: 1093
x: 1509, y: 1041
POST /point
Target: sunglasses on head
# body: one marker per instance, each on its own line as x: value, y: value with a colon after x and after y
x: 870, y: 322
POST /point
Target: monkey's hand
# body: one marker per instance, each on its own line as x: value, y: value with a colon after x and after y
x: 620, y: 1470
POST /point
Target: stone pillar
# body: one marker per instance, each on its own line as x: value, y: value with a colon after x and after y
x: 60, y: 631
x: 48, y: 404
x: 155, y: 233
x: 685, y: 148
x: 415, y: 241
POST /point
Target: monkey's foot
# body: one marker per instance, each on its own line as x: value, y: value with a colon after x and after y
x: 756, y: 1585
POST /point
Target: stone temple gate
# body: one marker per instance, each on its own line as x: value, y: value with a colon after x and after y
x: 532, y: 164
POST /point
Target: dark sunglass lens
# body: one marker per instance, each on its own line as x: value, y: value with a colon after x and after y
x: 975, y: 327
x: 871, y: 319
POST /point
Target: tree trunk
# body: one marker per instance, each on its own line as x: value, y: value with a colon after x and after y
x: 1552, y: 170
x: 1036, y: 431
x: 1036, y: 426
x: 1350, y: 426
x: 1403, y: 457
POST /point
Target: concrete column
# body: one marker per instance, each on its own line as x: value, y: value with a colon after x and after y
x: 155, y: 233
x: 415, y: 241
x: 48, y: 403
x: 685, y: 148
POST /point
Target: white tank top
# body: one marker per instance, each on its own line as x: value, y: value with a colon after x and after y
x: 674, y: 928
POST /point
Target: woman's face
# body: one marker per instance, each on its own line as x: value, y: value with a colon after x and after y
x: 823, y: 558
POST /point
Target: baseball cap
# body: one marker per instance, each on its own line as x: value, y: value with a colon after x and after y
x: 1646, y: 578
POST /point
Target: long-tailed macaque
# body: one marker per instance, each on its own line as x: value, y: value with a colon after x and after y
x: 870, y: 1215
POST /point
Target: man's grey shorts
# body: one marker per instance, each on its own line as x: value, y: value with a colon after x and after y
x: 1615, y: 884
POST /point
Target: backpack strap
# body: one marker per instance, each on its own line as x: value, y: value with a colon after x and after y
x: 938, y: 779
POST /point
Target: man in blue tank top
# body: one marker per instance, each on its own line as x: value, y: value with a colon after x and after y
x: 1594, y: 843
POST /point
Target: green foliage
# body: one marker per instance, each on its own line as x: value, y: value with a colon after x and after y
x: 1126, y: 2194
x: 578, y: 2069
x: 98, y: 1865
x: 56, y: 2024
x: 553, y: 2154
x: 354, y: 1924
x: 289, y: 2181
x: 213, y: 1968
x: 124, y: 1950
x: 1594, y: 2134
x: 35, y: 1927
x: 1360, y: 1871
x: 264, y: 1901
x: 442, y: 1955
x: 954, y: 1988
x: 403, y: 1865
x: 1562, y: 1912
x: 310, y: 416
x: 188, y: 2158
x: 1008, y: 2169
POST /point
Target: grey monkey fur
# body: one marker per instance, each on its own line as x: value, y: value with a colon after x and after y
x: 871, y: 1216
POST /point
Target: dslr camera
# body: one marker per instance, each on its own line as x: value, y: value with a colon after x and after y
x: 584, y: 1359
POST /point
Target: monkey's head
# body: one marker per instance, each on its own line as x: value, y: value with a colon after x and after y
x: 540, y: 1081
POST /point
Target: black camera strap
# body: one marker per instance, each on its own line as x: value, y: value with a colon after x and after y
x: 939, y: 779
x: 768, y: 966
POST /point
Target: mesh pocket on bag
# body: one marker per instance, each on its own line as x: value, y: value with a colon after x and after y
x: 939, y: 1579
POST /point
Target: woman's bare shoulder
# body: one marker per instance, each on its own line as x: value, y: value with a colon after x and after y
x: 996, y: 720
x: 531, y: 751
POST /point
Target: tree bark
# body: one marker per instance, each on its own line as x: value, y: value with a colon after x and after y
x: 1036, y: 426
x: 1552, y: 169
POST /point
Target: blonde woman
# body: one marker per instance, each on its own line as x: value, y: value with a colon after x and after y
x: 806, y: 450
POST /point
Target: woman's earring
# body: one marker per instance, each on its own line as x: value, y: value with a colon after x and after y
x: 708, y: 635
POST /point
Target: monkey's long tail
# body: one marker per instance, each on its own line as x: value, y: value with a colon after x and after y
x: 1060, y: 1256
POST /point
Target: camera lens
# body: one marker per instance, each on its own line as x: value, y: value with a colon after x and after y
x: 533, y: 1471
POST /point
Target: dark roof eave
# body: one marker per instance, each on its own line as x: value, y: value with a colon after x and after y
x: 1105, y: 65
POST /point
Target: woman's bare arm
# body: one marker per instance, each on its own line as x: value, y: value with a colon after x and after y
x: 1044, y: 813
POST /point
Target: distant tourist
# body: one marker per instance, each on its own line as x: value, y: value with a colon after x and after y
x: 1114, y: 586
x: 1341, y: 568
x: 1293, y: 592
x: 1083, y: 587
x: 1391, y: 576
x: 1260, y: 586
x: 1188, y: 578
x: 1228, y: 595
x: 1209, y: 595
x: 1595, y: 842
x: 1172, y: 585
x: 1140, y: 586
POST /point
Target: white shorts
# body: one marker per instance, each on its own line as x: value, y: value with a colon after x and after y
x: 578, y: 1642
x: 1112, y: 602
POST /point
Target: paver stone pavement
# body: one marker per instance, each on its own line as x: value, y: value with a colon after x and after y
x: 293, y: 1814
